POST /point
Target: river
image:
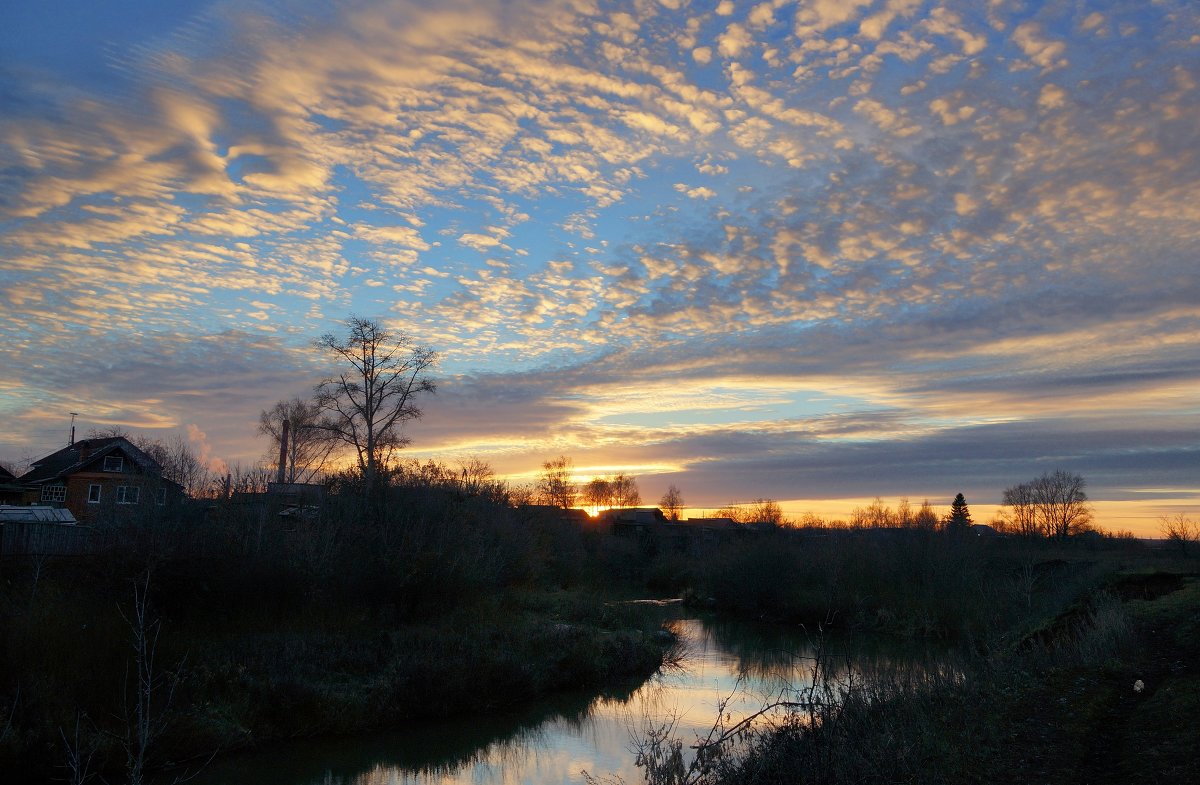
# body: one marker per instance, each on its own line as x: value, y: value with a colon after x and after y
x: 558, y: 739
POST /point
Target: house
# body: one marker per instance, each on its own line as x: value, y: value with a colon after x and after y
x: 11, y: 491
x: 94, y: 475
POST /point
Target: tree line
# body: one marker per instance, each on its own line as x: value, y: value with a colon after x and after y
x: 379, y: 377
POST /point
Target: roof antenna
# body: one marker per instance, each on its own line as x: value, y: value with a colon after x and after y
x: 73, y: 416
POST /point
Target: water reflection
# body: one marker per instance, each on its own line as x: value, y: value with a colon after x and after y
x: 737, y: 663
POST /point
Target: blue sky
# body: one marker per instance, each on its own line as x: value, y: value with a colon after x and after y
x: 814, y: 251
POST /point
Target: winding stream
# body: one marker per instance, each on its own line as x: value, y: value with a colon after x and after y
x: 559, y: 738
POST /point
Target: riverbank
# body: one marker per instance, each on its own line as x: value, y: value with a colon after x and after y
x: 225, y: 676
x: 1104, y: 691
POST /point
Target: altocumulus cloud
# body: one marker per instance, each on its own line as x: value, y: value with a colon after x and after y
x: 955, y: 226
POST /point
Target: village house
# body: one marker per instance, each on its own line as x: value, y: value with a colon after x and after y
x: 92, y: 476
x: 11, y: 491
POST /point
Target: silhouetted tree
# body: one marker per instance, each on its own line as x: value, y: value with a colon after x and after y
x: 959, y: 519
x: 365, y: 405
x: 1181, y: 531
x: 758, y: 511
x: 308, y: 446
x: 1062, y: 505
x: 598, y: 492
x: 926, y: 518
x: 625, y: 491
x: 174, y: 455
x: 1021, y: 515
x: 1054, y: 505
x: 555, y: 485
x: 672, y: 503
x: 765, y: 511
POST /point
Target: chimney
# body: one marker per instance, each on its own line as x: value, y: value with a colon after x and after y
x: 283, y: 448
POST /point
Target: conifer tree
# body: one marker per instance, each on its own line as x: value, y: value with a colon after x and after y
x: 959, y: 518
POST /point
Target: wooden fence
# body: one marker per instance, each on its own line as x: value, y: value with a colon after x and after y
x: 47, y: 539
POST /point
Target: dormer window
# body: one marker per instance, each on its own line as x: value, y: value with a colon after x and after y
x: 114, y: 463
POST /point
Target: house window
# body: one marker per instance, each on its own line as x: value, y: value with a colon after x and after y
x: 160, y: 496
x: 128, y: 494
x: 54, y: 493
x: 113, y: 463
x: 93, y: 494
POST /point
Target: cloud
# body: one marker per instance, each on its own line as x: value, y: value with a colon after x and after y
x: 961, y: 214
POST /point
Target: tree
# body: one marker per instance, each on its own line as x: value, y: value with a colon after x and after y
x: 1061, y: 503
x: 555, y: 485
x: 1054, y: 505
x: 959, y: 519
x: 625, y: 491
x: 758, y: 511
x: 1181, y: 531
x: 1022, y: 512
x: 926, y: 518
x: 365, y: 406
x: 672, y: 503
x: 876, y: 515
x: 308, y: 445
x: 175, y: 457
x: 765, y: 511
x: 598, y: 492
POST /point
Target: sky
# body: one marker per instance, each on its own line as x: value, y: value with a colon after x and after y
x: 818, y: 252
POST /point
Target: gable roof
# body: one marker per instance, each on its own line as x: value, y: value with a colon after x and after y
x: 6, y: 475
x: 83, y: 454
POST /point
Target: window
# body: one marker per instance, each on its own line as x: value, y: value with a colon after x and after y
x: 160, y: 496
x: 128, y: 494
x: 54, y: 493
x: 93, y: 494
x: 114, y: 463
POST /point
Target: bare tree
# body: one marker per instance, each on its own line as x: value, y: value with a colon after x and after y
x: 875, y: 515
x: 153, y: 691
x: 555, y: 485
x: 174, y: 455
x: 758, y: 511
x: 1062, y: 504
x: 598, y: 492
x: 672, y: 503
x: 308, y: 446
x: 1181, y: 531
x: 476, y: 477
x: 765, y: 511
x: 625, y: 491
x: 1021, y: 515
x: 926, y: 517
x: 366, y: 404
x: 179, y: 462
x: 1054, y: 505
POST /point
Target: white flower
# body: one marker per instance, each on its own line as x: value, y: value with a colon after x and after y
x: 1139, y: 685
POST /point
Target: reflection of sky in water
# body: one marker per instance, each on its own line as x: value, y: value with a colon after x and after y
x: 559, y: 740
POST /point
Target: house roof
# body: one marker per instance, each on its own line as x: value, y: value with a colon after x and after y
x: 83, y: 454
x: 10, y: 513
x: 6, y: 475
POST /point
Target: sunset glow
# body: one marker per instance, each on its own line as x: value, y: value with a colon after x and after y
x: 811, y: 251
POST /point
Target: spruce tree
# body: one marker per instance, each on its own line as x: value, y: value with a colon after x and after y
x: 959, y: 518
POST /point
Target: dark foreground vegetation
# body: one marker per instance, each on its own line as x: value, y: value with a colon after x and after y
x: 1073, y: 664
x: 223, y: 626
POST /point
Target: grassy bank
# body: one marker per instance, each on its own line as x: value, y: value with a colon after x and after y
x: 253, y: 674
x: 1105, y: 690
x: 212, y: 629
